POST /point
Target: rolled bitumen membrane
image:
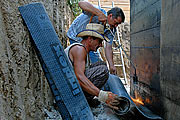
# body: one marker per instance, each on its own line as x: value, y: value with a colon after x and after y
x: 115, y: 85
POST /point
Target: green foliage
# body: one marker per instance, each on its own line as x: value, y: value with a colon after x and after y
x: 75, y: 7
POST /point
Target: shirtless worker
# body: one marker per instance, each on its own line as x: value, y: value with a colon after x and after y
x: 91, y: 77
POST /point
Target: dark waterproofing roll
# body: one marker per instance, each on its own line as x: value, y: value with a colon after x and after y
x: 68, y: 94
x: 115, y: 85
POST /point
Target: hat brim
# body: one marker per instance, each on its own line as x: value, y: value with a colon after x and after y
x: 92, y: 33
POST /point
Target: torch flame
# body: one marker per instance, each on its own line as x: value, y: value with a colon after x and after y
x: 137, y: 100
x: 147, y: 100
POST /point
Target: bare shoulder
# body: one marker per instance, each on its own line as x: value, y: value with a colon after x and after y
x: 78, y: 50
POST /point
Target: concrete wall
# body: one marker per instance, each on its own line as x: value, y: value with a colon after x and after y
x: 170, y: 58
x: 155, y: 48
x: 145, y: 51
x: 24, y: 92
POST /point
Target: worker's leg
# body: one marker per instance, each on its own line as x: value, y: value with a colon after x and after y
x: 98, y: 74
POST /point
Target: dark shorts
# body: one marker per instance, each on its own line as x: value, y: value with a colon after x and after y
x: 98, y: 74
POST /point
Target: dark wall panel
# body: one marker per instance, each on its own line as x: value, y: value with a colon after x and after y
x: 170, y: 58
x: 146, y: 17
x: 145, y: 54
x: 145, y: 51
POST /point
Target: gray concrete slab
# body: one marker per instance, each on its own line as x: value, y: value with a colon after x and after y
x: 148, y: 18
x: 145, y: 50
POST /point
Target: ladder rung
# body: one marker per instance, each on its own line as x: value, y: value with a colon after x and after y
x: 115, y: 40
x: 105, y: 7
x: 118, y: 65
x: 116, y: 52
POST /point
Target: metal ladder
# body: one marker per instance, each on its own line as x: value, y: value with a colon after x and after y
x: 119, y: 48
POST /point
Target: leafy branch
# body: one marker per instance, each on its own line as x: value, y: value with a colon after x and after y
x: 74, y: 7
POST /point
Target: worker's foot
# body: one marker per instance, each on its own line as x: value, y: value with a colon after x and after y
x: 93, y: 102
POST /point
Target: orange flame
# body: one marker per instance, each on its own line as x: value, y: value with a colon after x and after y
x: 147, y: 100
x: 137, y: 100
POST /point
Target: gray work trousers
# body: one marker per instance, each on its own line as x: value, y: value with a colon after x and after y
x: 98, y: 74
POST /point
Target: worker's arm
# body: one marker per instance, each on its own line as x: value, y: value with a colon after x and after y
x: 79, y: 59
x: 109, y: 57
x: 86, y: 6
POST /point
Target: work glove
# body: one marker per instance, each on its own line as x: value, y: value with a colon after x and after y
x: 109, y: 98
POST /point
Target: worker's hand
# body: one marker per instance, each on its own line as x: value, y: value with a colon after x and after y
x: 113, y: 70
x: 109, y: 98
x: 112, y: 101
x: 102, y: 18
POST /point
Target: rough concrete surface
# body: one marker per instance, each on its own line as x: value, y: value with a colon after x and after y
x: 170, y: 59
x: 145, y: 51
x: 24, y: 92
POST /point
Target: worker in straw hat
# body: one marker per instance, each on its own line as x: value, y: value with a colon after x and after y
x: 95, y: 14
x: 91, y: 77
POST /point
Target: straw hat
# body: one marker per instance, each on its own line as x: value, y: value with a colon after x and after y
x: 95, y: 30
